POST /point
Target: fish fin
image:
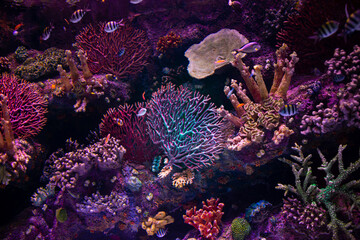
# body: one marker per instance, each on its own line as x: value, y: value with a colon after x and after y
x: 315, y: 37
x: 346, y: 11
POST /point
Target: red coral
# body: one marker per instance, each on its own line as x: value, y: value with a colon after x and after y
x: 27, y: 107
x: 207, y: 219
x: 123, y: 52
x: 171, y: 40
x: 124, y: 124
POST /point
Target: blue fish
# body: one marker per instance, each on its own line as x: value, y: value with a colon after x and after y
x: 316, y: 86
x: 230, y: 92
x: 161, y: 232
x: 338, y: 77
x: 121, y: 52
x: 288, y: 110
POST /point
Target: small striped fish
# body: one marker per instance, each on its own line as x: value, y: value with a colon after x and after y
x: 46, y: 33
x: 326, y: 30
x: 113, y: 26
x: 78, y: 15
x: 288, y: 110
x: 352, y: 23
x: 161, y: 232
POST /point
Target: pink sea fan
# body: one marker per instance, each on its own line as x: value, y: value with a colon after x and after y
x: 27, y: 107
x: 124, y: 124
x: 123, y: 52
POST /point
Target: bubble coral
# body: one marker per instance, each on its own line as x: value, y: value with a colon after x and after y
x: 27, y: 108
x: 240, y: 228
x: 102, y: 49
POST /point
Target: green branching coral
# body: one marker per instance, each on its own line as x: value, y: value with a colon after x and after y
x: 307, y: 188
x: 43, y: 65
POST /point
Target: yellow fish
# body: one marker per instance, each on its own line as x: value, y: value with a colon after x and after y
x: 220, y: 61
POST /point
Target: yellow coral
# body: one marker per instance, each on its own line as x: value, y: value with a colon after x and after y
x: 183, y: 178
x: 153, y: 224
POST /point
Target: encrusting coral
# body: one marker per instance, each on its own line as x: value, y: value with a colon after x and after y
x: 256, y: 119
x: 307, y: 187
x: 159, y: 221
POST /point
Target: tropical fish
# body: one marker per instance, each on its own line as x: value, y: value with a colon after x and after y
x: 230, y: 92
x: 113, y: 26
x: 250, y: 47
x: 135, y: 1
x: 217, y: 62
x: 338, y: 77
x: 46, y: 33
x: 16, y: 29
x: 121, y: 52
x: 78, y: 15
x: 352, y: 23
x: 141, y: 112
x: 118, y: 121
x: 161, y: 232
x: 316, y: 86
x: 288, y: 110
x: 326, y: 30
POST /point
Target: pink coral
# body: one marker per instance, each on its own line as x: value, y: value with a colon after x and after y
x: 27, y: 108
x: 123, y: 52
x: 207, y: 219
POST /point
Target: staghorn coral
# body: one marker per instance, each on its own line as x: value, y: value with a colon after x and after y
x: 307, y: 188
x: 169, y: 41
x: 42, y: 65
x: 26, y: 107
x: 207, y: 219
x: 159, y: 221
x: 102, y: 49
x: 186, y: 126
x: 216, y: 46
x: 258, y: 121
x: 124, y: 124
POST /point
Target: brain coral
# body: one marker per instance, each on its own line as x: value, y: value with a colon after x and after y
x: 216, y: 46
x: 27, y: 108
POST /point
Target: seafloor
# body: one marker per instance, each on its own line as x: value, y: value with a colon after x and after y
x: 182, y: 119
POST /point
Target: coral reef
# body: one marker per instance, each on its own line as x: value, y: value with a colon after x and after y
x: 21, y: 54
x: 308, y: 190
x: 260, y: 135
x: 215, y: 47
x: 82, y: 85
x: 122, y: 53
x: 207, y: 219
x: 186, y: 126
x: 344, y: 64
x: 169, y: 41
x: 41, y: 66
x: 240, y: 228
x: 159, y: 221
x: 124, y: 124
x: 26, y: 107
x: 4, y: 64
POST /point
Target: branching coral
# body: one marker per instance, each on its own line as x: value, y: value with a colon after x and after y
x: 256, y: 119
x: 26, y: 107
x: 207, y: 219
x: 186, y: 126
x: 83, y: 85
x: 103, y: 49
x: 308, y: 190
x: 124, y: 124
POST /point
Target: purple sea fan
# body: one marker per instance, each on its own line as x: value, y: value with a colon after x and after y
x: 123, y: 52
x: 26, y: 106
x: 186, y: 126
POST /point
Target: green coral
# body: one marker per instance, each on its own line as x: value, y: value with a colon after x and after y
x: 43, y: 65
x: 307, y: 188
x: 240, y: 228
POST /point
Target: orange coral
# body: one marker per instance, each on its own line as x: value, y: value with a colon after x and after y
x: 171, y: 40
